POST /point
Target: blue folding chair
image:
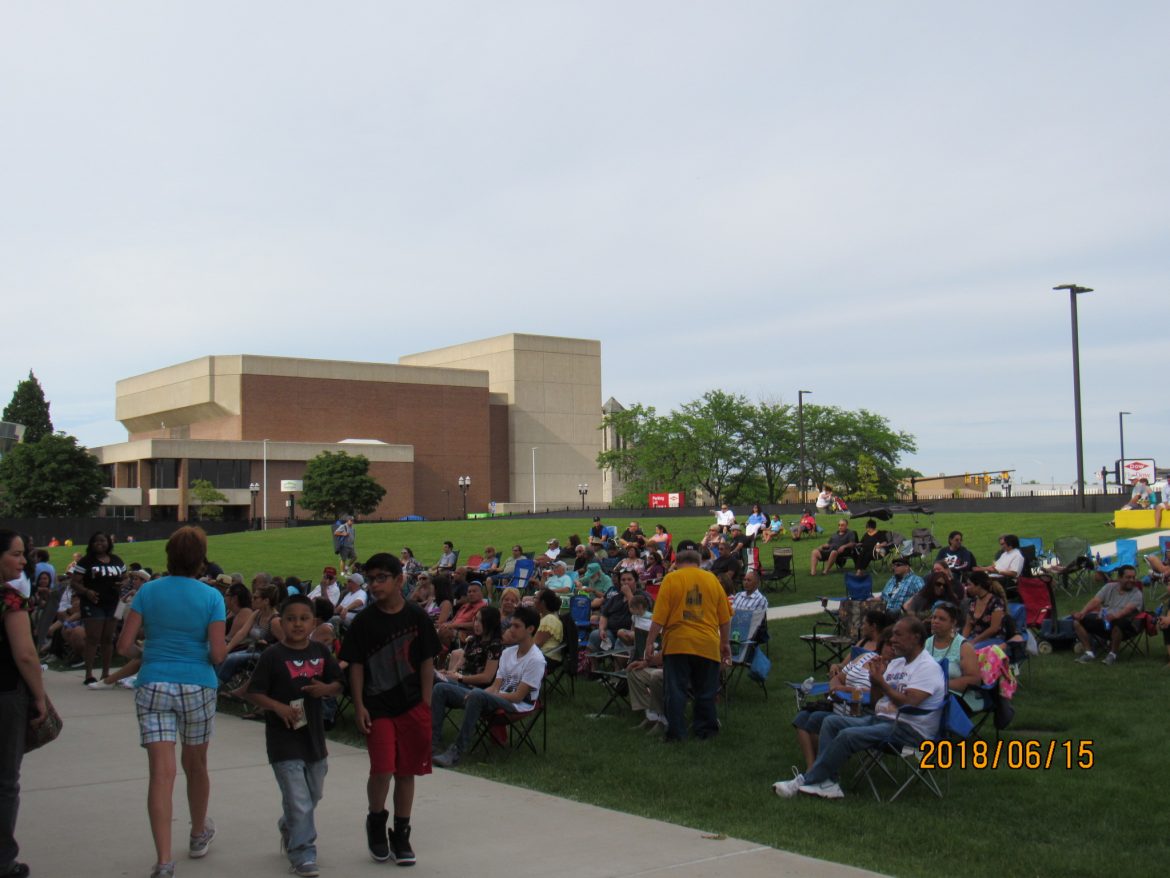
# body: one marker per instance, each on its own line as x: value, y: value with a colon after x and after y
x: 1126, y: 555
x: 581, y: 608
x: 858, y: 586
x: 522, y: 575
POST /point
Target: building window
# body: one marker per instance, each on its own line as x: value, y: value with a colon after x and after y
x: 108, y: 475
x: 165, y: 473
x: 221, y: 473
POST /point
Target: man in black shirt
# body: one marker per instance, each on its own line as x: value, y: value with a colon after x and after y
x: 839, y: 543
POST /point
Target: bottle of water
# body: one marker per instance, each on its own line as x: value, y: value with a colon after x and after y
x: 806, y: 686
x: 1105, y: 619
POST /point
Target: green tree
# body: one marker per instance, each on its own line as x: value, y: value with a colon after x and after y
x: 336, y: 483
x: 837, y: 439
x: 28, y: 406
x: 743, y: 451
x: 717, y: 451
x: 772, y: 438
x: 207, y: 499
x: 52, y: 477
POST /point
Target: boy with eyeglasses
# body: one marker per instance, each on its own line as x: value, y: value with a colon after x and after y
x: 391, y: 651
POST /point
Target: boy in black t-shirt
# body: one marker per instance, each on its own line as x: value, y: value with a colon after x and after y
x: 391, y: 649
x: 289, y: 682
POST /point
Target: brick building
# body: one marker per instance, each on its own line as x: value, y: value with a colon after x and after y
x: 477, y: 409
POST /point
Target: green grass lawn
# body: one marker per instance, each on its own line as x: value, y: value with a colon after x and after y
x: 1101, y: 821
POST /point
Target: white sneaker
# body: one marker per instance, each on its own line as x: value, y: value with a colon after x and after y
x: 99, y: 686
x: 826, y: 789
x: 787, y: 789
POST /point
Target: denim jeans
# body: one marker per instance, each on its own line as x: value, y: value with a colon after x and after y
x: 842, y: 736
x: 477, y: 702
x: 444, y: 697
x: 13, y: 717
x: 234, y: 663
x: 686, y: 676
x: 301, y: 786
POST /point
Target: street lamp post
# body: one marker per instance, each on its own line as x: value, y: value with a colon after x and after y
x: 1121, y: 466
x: 583, y: 490
x: 465, y: 486
x: 254, y: 488
x: 800, y: 394
x: 534, y: 481
x: 1073, y: 291
x: 265, y: 480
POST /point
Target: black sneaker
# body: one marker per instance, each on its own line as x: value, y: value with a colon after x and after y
x: 376, y: 836
x: 400, y: 848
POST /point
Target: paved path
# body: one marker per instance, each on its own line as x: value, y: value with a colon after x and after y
x: 83, y: 813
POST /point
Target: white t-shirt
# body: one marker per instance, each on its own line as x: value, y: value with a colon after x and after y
x: 1010, y: 561
x: 353, y: 597
x: 824, y: 499
x: 924, y: 675
x: 333, y: 593
x: 516, y: 669
x: 725, y: 517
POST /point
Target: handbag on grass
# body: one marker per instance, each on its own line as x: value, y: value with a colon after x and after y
x: 39, y: 735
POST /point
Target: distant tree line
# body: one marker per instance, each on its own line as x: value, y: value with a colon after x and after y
x: 743, y: 451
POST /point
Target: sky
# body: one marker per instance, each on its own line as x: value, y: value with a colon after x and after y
x: 871, y: 201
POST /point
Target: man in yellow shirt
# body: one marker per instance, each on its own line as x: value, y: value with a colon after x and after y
x: 694, y: 618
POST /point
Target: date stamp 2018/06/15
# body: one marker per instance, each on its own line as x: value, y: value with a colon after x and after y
x: 1030, y: 755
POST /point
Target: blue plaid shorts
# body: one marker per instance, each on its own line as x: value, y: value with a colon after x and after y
x: 168, y: 710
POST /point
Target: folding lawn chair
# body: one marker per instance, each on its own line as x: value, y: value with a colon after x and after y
x: 505, y: 732
x: 1072, y: 563
x: 837, y: 636
x: 744, y: 625
x: 783, y: 572
x: 522, y: 576
x: 922, y: 547
x: 903, y: 764
x: 561, y: 664
x: 1126, y: 555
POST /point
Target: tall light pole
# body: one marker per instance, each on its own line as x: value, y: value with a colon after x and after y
x: 265, y: 480
x: 800, y: 394
x: 583, y: 490
x: 1120, y: 466
x: 534, y: 481
x: 254, y: 489
x: 1073, y: 292
x: 465, y: 486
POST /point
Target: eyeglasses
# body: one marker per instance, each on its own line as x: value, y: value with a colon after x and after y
x: 379, y: 578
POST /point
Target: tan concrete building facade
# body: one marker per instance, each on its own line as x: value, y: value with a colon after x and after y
x: 551, y: 388
x: 469, y: 410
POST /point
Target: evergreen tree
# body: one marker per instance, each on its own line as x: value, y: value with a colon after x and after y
x: 53, y: 477
x: 29, y: 407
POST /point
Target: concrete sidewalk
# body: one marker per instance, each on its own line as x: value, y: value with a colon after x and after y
x: 83, y: 812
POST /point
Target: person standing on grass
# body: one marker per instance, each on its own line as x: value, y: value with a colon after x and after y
x: 344, y: 542
x: 694, y: 618
x: 176, y: 686
x: 289, y: 682
x: 391, y: 651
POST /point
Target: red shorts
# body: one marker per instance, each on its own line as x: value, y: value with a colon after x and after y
x: 401, y: 744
